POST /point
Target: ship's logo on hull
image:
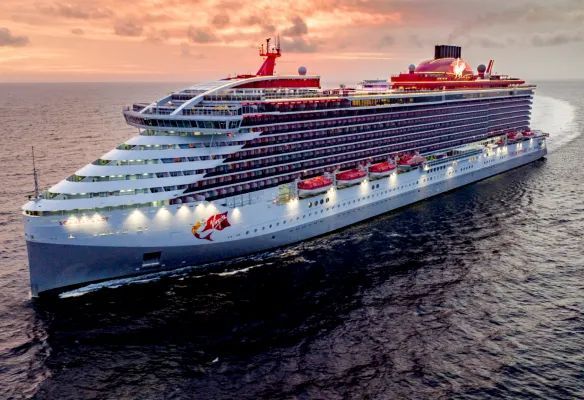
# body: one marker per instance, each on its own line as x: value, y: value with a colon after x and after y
x: 217, y: 222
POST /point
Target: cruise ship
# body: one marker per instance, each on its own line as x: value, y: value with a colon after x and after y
x: 247, y: 163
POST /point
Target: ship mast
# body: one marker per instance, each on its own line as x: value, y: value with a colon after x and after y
x: 267, y: 68
x: 35, y: 176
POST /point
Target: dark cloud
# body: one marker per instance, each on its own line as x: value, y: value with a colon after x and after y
x: 266, y: 24
x: 252, y: 20
x: 415, y: 40
x: 556, y: 39
x: 77, y: 31
x: 155, y: 17
x: 128, y: 27
x: 231, y: 5
x: 9, y: 40
x: 386, y: 41
x: 294, y: 37
x: 537, y: 13
x: 298, y: 28
x: 79, y: 11
x: 220, y: 20
x: 298, y: 45
x: 186, y: 51
x: 200, y: 35
x: 486, y: 42
x: 157, y: 36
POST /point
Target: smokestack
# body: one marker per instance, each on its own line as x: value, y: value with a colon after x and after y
x: 446, y: 51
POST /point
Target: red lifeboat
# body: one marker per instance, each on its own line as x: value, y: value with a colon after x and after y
x: 513, y: 137
x: 313, y: 186
x: 411, y: 161
x: 381, y: 169
x: 350, y: 177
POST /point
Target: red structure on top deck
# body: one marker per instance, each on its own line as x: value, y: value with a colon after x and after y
x: 449, y: 71
x: 267, y: 70
x: 269, y: 64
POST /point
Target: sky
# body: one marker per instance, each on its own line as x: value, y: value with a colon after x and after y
x: 341, y: 40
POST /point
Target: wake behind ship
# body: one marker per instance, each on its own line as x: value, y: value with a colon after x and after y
x: 252, y: 162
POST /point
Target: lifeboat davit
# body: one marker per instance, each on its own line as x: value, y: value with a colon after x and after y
x: 381, y: 169
x: 350, y: 177
x: 411, y: 161
x: 313, y: 186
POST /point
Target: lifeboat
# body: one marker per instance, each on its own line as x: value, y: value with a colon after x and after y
x: 514, y: 137
x: 411, y: 161
x: 381, y: 169
x: 350, y: 177
x: 528, y: 134
x: 314, y: 186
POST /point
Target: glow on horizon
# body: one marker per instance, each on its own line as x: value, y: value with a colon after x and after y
x: 342, y: 40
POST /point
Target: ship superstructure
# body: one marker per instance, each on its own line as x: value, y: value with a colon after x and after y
x: 219, y: 167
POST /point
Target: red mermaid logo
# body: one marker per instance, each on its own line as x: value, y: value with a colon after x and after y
x: 217, y: 222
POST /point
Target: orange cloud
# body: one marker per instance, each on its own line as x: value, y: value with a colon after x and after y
x: 173, y: 39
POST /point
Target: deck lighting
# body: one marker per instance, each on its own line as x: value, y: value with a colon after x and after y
x: 136, y: 218
x: 293, y: 205
x: 163, y: 215
x: 183, y: 212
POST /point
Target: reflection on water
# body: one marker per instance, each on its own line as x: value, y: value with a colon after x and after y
x: 475, y: 293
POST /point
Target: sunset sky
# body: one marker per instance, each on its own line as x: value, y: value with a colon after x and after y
x: 342, y: 40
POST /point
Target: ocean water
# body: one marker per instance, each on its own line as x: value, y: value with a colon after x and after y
x: 478, y: 293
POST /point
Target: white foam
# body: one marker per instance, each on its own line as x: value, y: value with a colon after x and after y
x: 556, y: 117
x: 141, y: 279
x: 116, y: 283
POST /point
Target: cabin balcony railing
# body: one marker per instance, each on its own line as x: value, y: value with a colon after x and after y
x: 352, y: 112
x: 319, y: 166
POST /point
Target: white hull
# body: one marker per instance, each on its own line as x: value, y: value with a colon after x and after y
x: 66, y: 251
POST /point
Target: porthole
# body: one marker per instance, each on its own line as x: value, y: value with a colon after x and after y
x: 321, y: 201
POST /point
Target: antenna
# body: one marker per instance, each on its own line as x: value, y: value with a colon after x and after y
x: 271, y: 53
x: 490, y: 67
x: 35, y: 175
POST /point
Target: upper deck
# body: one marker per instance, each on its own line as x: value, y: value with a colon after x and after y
x: 227, y: 99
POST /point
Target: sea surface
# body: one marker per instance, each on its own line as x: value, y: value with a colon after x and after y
x: 477, y: 293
